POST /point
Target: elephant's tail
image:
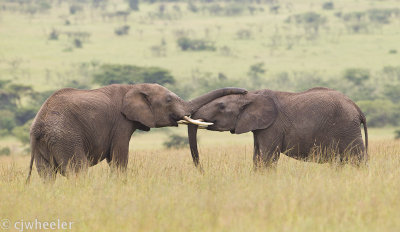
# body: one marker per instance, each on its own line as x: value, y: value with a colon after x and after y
x: 364, y: 122
x: 34, y: 150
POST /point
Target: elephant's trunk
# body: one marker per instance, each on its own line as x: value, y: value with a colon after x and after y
x: 198, y: 102
x: 192, y: 133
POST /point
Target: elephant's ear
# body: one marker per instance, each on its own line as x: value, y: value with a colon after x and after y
x: 137, y: 107
x: 259, y: 113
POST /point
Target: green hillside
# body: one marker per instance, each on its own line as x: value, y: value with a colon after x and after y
x: 351, y: 46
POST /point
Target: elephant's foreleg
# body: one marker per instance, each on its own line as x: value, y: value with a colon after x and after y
x: 118, y: 159
x: 256, y: 153
x: 267, y: 148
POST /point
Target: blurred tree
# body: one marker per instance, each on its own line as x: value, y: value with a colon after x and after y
x: 176, y: 141
x: 22, y: 132
x: 130, y: 74
x: 397, y: 134
x: 188, y: 44
x: 357, y: 75
x: 380, y: 112
x: 327, y: 6
x: 255, y: 73
x: 134, y: 5
x: 392, y: 91
x: 5, y: 151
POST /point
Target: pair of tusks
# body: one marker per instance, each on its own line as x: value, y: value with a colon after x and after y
x: 200, y: 122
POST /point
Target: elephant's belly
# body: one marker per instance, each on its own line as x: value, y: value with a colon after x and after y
x: 315, y: 153
x: 96, y: 156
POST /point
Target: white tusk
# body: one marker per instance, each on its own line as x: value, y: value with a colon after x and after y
x: 183, y: 122
x: 197, y: 122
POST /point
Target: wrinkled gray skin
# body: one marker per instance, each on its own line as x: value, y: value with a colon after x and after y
x: 300, y: 125
x: 75, y: 128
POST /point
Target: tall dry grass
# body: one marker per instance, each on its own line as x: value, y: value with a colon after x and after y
x: 163, y: 192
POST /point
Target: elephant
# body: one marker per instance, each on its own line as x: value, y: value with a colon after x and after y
x: 75, y: 129
x: 320, y: 125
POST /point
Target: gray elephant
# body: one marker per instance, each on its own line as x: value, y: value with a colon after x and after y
x: 75, y: 128
x: 319, y: 125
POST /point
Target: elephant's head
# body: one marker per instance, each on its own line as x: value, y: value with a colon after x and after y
x: 235, y: 113
x: 153, y: 105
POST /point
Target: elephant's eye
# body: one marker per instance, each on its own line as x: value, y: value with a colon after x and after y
x: 221, y: 106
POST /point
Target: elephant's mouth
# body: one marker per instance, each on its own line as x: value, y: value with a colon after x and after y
x: 174, y: 120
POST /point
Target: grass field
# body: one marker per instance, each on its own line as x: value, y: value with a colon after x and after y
x: 162, y: 191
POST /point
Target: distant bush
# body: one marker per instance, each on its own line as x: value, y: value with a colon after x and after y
x: 119, y: 15
x: 134, y: 4
x: 123, y: 30
x: 243, y: 34
x: 310, y: 21
x: 176, y: 141
x: 234, y: 9
x: 356, y: 75
x: 397, y: 134
x: 24, y: 114
x: 255, y: 73
x: 215, y: 9
x: 226, y: 51
x: 7, y: 120
x: 187, y: 44
x: 22, y: 132
x: 130, y: 74
x: 73, y: 9
x: 5, y: 151
x: 158, y: 51
x: 12, y: 112
x: 380, y: 112
x: 392, y: 92
x: 54, y: 35
x: 192, y: 7
x: 201, y: 82
x: 77, y: 43
x: 360, y: 21
x: 274, y: 9
x: 353, y: 16
x: 382, y: 16
x: 327, y: 6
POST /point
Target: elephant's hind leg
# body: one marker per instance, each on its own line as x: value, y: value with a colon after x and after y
x: 77, y: 164
x: 47, y: 170
x: 355, y: 153
x: 71, y: 159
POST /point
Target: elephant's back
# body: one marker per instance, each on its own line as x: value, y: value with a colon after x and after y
x: 58, y: 110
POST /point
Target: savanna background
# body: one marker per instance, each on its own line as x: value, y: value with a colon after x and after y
x: 191, y: 47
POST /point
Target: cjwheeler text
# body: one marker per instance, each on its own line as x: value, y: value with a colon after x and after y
x: 42, y: 225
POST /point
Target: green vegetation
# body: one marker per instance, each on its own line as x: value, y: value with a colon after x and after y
x: 176, y: 141
x: 187, y: 44
x: 129, y: 74
x: 397, y: 134
x: 196, y: 46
